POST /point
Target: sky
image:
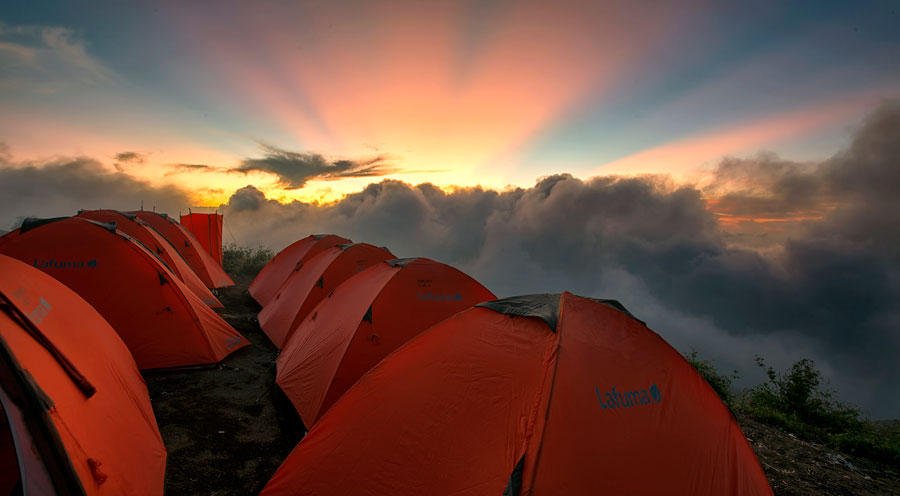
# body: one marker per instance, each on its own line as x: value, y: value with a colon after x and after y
x: 728, y: 170
x: 215, y: 95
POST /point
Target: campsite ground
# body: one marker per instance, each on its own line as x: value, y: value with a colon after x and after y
x: 227, y: 428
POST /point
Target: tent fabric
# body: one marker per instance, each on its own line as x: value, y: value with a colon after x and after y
x: 311, y: 282
x: 160, y: 320
x: 282, y: 265
x: 362, y: 321
x: 107, y: 443
x: 603, y: 405
x: 207, y: 230
x: 209, y: 271
x: 158, y: 245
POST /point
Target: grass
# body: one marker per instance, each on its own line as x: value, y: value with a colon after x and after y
x: 242, y: 262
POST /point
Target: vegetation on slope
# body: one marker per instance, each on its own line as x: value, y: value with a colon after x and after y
x: 799, y: 401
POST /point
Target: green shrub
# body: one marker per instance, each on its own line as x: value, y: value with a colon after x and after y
x: 719, y: 382
x: 799, y: 400
x: 241, y: 262
x: 871, y: 441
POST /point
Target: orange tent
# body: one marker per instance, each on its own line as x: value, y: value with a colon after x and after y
x: 362, y: 321
x: 163, y: 323
x: 210, y: 272
x: 75, y: 415
x: 282, y: 265
x: 538, y: 394
x: 207, y: 230
x: 311, y: 282
x: 144, y: 234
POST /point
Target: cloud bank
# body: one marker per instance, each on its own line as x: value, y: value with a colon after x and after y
x: 821, y: 281
x: 63, y: 186
x: 825, y: 287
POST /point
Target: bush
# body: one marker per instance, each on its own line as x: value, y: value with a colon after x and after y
x: 799, y: 401
x: 720, y: 383
x: 241, y: 262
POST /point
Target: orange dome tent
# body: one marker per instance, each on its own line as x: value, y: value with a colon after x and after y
x: 209, y: 271
x: 75, y: 415
x: 156, y: 243
x: 282, y: 265
x: 160, y: 320
x: 311, y: 282
x: 362, y: 321
x: 207, y: 230
x: 539, y: 395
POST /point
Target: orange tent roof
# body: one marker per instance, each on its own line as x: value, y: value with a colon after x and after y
x: 209, y: 271
x: 311, y: 282
x: 542, y: 395
x: 282, y: 265
x: 362, y: 321
x: 157, y: 244
x: 207, y: 230
x: 78, y: 408
x: 163, y: 323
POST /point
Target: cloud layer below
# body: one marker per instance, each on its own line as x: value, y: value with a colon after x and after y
x: 810, y: 267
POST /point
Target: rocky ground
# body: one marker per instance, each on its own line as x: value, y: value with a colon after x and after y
x: 227, y: 428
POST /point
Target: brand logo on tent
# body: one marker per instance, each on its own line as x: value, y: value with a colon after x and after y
x: 233, y: 341
x: 40, y: 311
x: 429, y: 296
x: 64, y: 264
x: 629, y: 399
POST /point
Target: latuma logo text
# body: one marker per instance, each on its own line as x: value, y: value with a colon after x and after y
x: 629, y: 399
x: 64, y: 264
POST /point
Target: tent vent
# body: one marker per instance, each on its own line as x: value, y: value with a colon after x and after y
x: 368, y: 316
x: 331, y: 292
x: 400, y: 262
x: 34, y: 222
x: 542, y: 306
x: 109, y: 226
x: 345, y: 246
x: 162, y: 279
x: 515, y: 479
x: 321, y: 282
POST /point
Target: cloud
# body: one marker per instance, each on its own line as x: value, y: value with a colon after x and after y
x: 124, y: 159
x: 824, y: 287
x: 47, y: 59
x: 181, y: 168
x: 827, y: 289
x: 134, y: 157
x: 295, y: 169
x: 63, y: 186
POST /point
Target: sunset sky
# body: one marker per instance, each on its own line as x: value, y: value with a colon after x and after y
x: 729, y: 171
x: 495, y: 93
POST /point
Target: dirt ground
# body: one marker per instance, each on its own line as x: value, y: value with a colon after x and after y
x: 227, y: 428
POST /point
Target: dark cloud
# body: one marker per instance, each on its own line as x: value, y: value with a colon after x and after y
x: 180, y: 168
x: 63, y: 187
x: 295, y: 169
x: 135, y: 157
x: 827, y: 289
